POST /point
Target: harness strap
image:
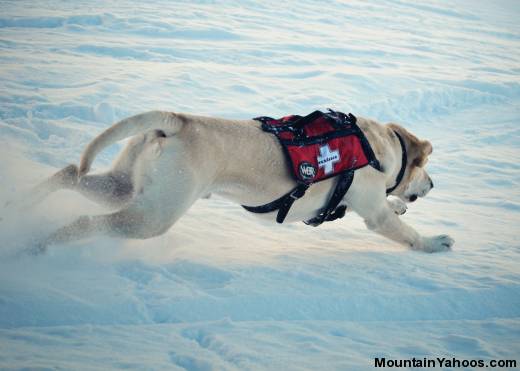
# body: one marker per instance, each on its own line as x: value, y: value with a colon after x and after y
x: 282, y: 204
x: 404, y: 160
x: 332, y: 211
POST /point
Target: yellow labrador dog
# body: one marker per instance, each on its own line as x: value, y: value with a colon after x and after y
x: 174, y: 159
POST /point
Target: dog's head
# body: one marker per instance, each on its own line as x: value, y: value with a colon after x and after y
x: 416, y: 182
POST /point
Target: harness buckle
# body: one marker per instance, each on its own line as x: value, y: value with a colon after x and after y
x: 298, y: 192
x: 294, y: 196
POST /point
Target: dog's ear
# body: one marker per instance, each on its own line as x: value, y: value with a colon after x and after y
x: 427, y: 147
x: 422, y: 149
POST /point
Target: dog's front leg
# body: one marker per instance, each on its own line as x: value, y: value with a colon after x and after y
x: 385, y: 222
x: 397, y: 205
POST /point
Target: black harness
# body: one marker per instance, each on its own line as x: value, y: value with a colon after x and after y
x: 404, y: 160
x: 332, y: 210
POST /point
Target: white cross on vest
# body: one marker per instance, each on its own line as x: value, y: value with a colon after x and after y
x: 328, y: 158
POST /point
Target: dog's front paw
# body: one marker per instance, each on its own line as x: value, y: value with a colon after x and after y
x: 398, y: 206
x: 438, y: 243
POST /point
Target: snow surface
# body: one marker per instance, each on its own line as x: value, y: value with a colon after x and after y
x: 222, y: 290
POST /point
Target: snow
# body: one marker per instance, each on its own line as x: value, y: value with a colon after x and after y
x: 221, y: 289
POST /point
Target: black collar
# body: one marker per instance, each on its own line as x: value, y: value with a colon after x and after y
x: 404, y: 159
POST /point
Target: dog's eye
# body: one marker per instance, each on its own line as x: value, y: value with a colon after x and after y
x: 420, y: 161
x: 417, y: 162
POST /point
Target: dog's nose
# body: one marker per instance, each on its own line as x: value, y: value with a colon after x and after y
x: 160, y: 134
x: 431, y: 184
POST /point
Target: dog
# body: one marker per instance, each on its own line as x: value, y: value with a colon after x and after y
x: 173, y: 159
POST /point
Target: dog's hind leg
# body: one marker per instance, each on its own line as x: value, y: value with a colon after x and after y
x: 145, y: 216
x: 133, y: 222
x: 66, y: 178
x: 128, y: 223
x: 113, y: 188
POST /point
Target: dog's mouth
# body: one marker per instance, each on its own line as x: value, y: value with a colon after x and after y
x: 412, y: 198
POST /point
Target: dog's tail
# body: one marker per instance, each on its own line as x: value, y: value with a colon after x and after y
x: 168, y: 122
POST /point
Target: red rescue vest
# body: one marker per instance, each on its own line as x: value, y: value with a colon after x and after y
x: 321, y: 145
